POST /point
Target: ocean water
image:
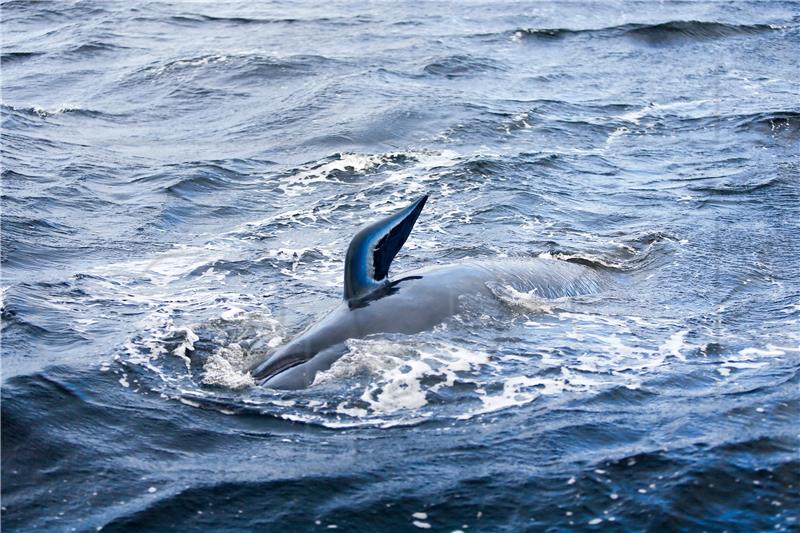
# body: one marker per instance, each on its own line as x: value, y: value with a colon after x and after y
x: 180, y: 182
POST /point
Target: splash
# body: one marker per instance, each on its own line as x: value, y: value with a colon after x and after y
x: 227, y: 367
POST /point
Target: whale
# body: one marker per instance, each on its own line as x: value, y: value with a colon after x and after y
x: 415, y: 301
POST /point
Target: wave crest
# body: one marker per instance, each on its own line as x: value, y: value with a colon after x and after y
x: 655, y: 34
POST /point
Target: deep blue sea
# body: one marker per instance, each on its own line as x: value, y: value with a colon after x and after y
x: 180, y: 182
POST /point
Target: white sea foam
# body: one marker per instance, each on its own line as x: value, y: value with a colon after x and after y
x: 227, y: 367
x: 187, y: 344
x: 528, y: 301
x: 166, y: 267
x: 688, y: 109
x: 303, y: 181
x: 191, y: 62
x: 58, y: 110
x: 763, y: 352
x: 307, y: 179
x: 410, y: 168
x: 395, y: 373
x: 675, y: 345
x: 516, y: 391
x: 753, y: 358
x: 326, y: 271
x: 399, y: 377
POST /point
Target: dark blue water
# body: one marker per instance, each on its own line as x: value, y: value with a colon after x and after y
x: 180, y: 183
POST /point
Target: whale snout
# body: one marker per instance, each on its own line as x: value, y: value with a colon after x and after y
x: 296, y: 365
x: 278, y: 362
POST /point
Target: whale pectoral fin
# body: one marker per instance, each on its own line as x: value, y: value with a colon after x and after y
x: 373, y: 248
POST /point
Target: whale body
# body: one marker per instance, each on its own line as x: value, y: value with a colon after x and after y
x: 415, y: 302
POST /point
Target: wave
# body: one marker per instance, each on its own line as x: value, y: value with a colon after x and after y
x: 236, y: 66
x: 663, y: 33
x: 196, y: 18
x: 200, y: 18
x: 261, y: 67
x: 43, y: 10
x: 460, y: 65
x: 93, y: 48
x: 697, y: 30
x: 205, y: 179
x: 189, y: 180
x: 36, y: 254
x: 14, y: 57
x: 33, y: 227
x: 627, y: 253
x: 19, y: 332
x: 774, y: 123
x: 732, y: 186
x: 546, y: 33
x: 40, y: 112
x: 10, y: 177
x: 36, y: 312
x: 554, y: 117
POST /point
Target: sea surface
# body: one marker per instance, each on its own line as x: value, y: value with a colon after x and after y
x: 179, y: 185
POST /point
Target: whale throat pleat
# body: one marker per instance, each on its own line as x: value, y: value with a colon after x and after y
x: 372, y: 250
